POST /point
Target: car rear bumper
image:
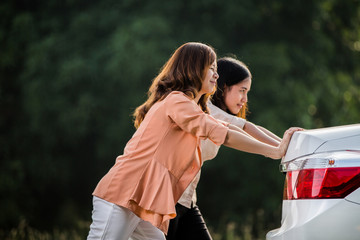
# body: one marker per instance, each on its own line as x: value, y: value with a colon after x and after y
x: 330, y: 219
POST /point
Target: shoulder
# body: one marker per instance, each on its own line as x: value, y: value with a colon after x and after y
x: 177, y: 95
x: 218, y: 113
x: 179, y: 99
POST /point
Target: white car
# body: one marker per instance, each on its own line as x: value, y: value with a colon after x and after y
x: 322, y: 186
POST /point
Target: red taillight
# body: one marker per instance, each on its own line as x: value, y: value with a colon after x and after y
x: 321, y: 183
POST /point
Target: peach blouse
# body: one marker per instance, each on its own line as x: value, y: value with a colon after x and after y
x: 209, y: 151
x: 161, y: 159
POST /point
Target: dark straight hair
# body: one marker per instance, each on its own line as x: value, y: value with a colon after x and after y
x: 231, y: 71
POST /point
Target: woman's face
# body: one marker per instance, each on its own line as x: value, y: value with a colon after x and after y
x: 209, y: 82
x: 235, y: 96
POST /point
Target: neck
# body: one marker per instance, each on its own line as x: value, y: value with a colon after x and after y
x: 197, y: 98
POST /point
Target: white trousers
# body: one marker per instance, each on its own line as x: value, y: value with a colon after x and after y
x: 113, y: 222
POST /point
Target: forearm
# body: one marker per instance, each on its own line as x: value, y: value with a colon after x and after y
x: 261, y: 134
x: 270, y: 134
x: 242, y: 141
x: 236, y: 128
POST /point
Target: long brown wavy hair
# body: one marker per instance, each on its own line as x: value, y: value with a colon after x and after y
x: 231, y: 71
x: 184, y: 71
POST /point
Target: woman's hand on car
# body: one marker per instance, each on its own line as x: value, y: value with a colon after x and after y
x: 286, y: 140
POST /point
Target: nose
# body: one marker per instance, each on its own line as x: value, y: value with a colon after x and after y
x: 245, y: 98
x: 216, y: 75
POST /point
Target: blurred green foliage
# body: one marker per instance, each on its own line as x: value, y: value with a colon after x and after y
x: 72, y: 72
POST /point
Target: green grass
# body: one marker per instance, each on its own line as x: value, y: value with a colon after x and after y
x: 23, y: 231
x: 26, y: 232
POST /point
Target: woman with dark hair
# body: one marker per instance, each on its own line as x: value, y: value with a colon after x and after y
x: 137, y: 197
x: 233, y: 85
x: 229, y: 104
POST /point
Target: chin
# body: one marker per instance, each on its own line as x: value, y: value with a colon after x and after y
x: 234, y: 113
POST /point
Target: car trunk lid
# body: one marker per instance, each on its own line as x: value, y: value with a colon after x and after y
x: 330, y: 139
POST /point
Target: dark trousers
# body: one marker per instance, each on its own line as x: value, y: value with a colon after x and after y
x: 188, y: 225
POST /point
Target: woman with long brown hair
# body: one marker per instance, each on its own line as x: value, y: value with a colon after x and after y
x: 137, y: 197
x: 229, y: 104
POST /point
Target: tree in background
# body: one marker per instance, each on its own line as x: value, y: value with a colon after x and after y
x: 72, y: 72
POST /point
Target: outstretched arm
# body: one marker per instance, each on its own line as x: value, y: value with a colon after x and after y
x: 262, y: 134
x: 240, y: 140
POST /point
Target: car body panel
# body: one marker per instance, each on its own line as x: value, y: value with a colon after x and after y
x: 329, y: 218
x: 354, y: 197
x: 308, y: 142
x: 318, y: 219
